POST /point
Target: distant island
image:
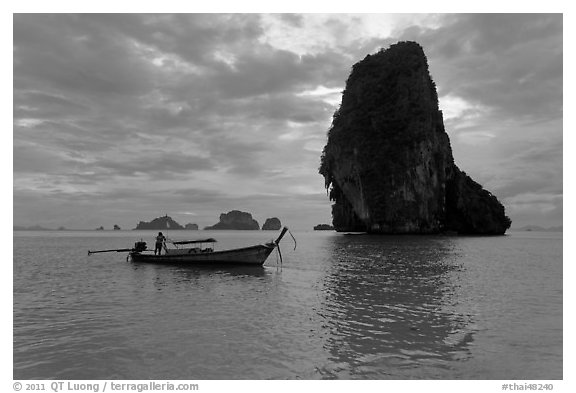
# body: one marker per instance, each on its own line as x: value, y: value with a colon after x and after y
x: 536, y: 228
x: 31, y: 228
x: 165, y: 222
x: 191, y: 227
x: 36, y: 228
x: 272, y: 224
x: 323, y: 227
x: 236, y: 220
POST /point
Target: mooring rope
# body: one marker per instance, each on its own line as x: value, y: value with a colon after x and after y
x: 293, y: 238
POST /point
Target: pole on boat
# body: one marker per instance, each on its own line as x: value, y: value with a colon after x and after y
x: 284, y: 230
x: 117, y: 250
x: 277, y: 241
x: 138, y: 247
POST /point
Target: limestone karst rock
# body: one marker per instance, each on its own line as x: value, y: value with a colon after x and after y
x: 323, y: 227
x: 388, y: 161
x: 235, y: 219
x: 165, y: 222
x: 272, y: 224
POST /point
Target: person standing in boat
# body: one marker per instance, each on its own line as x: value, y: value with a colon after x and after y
x: 160, y: 239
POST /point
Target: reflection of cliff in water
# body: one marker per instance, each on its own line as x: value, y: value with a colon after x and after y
x: 392, y: 303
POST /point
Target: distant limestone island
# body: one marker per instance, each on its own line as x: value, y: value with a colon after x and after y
x: 323, y: 227
x: 233, y: 220
x: 116, y: 228
x: 238, y: 220
x: 536, y: 228
x: 40, y: 228
x: 30, y: 228
x: 272, y: 224
x: 165, y: 222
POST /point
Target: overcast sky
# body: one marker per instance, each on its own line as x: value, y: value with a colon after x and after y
x: 122, y: 118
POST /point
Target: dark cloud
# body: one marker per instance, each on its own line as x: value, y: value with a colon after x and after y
x: 270, y: 71
x: 236, y: 156
x: 537, y: 170
x: 36, y: 104
x: 164, y: 165
x: 75, y: 54
x: 30, y: 159
x: 199, y: 196
x: 295, y: 20
x: 511, y: 63
x: 281, y: 107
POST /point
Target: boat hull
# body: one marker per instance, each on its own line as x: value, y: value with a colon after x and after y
x: 253, y: 256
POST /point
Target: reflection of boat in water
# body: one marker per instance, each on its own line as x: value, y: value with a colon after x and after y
x: 198, y: 255
x: 175, y: 272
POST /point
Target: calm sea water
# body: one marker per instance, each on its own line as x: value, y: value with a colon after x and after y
x: 346, y: 307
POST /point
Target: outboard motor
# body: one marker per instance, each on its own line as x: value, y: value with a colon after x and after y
x: 140, y: 246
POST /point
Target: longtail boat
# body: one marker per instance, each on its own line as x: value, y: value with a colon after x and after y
x: 198, y: 255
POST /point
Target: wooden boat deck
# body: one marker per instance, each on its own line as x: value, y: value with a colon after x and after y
x: 253, y: 255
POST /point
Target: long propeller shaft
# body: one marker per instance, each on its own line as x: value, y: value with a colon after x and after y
x: 117, y: 250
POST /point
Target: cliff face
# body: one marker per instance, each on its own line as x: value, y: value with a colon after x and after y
x: 470, y: 209
x: 388, y: 161
x: 272, y: 224
x: 236, y: 219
